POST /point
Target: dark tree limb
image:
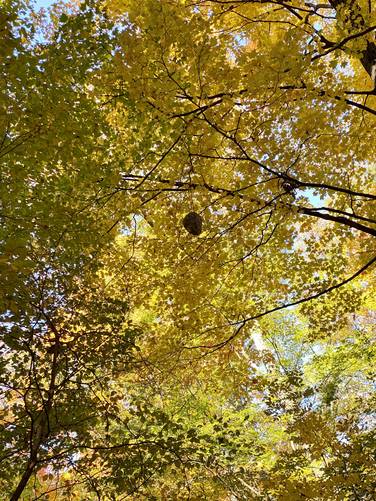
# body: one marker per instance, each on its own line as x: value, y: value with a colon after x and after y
x: 240, y: 324
x: 343, y: 218
x: 368, y: 57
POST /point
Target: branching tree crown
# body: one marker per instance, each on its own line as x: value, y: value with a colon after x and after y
x: 187, y: 250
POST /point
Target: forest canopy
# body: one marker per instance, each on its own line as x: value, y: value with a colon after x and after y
x: 187, y: 205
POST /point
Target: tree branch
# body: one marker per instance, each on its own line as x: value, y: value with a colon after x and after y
x: 242, y: 323
x: 343, y: 219
x: 368, y: 58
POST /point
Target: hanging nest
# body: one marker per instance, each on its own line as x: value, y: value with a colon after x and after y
x: 192, y: 222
